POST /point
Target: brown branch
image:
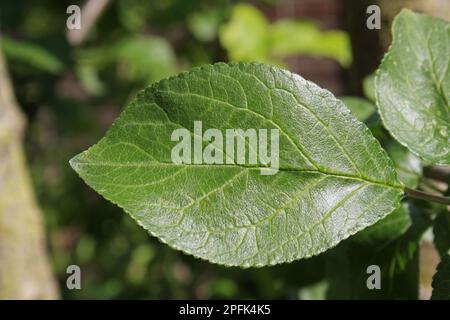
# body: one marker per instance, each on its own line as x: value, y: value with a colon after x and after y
x: 427, y: 196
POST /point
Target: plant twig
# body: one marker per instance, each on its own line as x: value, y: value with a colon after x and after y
x: 427, y: 196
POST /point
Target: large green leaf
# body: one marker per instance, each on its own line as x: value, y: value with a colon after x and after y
x: 413, y: 86
x: 441, y: 280
x: 334, y: 179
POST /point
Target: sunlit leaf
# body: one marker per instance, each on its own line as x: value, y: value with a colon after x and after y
x: 413, y: 86
x: 333, y: 180
x: 248, y: 36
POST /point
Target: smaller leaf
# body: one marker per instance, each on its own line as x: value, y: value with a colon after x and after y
x: 361, y: 108
x: 441, y: 280
x: 407, y: 165
x: 334, y: 178
x: 412, y: 86
x: 146, y: 58
x: 245, y: 36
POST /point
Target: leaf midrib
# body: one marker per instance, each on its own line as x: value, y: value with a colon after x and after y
x: 248, y: 167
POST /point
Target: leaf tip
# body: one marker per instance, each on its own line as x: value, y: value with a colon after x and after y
x: 75, y: 163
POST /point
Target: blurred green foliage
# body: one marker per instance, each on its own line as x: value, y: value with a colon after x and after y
x: 33, y: 55
x: 140, y: 59
x: 248, y: 36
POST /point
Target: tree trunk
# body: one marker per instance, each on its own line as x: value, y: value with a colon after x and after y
x: 25, y: 272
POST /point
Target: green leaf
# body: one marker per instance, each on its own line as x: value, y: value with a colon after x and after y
x: 369, y: 87
x: 245, y: 36
x: 441, y: 231
x: 334, y: 179
x: 393, y: 248
x: 31, y: 54
x: 387, y: 229
x: 144, y: 57
x: 361, y: 108
x: 407, y: 165
x: 441, y: 280
x: 413, y: 86
x: 205, y: 24
x: 248, y: 36
x: 139, y: 58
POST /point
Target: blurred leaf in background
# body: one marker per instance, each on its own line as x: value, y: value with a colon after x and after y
x: 392, y: 244
x: 137, y: 59
x: 369, y: 87
x: 441, y: 281
x: 248, y: 36
x: 31, y: 54
x: 407, y: 164
x: 205, y: 24
x: 361, y: 108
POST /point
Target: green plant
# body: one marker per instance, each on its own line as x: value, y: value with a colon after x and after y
x: 248, y: 36
x: 334, y: 178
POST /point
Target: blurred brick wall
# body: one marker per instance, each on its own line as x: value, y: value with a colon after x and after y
x: 329, y: 14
